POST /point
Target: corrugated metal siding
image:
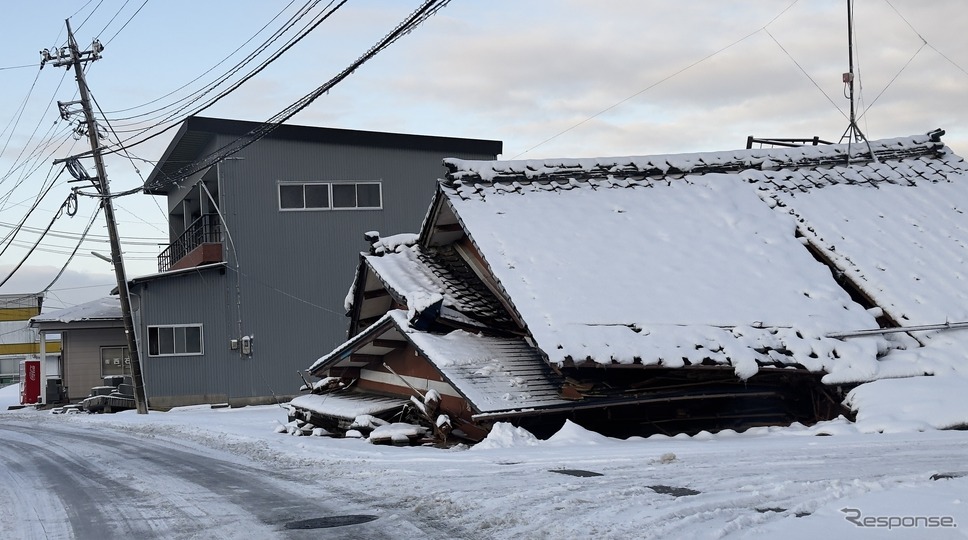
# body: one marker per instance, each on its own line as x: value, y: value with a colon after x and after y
x: 294, y: 267
x: 187, y: 299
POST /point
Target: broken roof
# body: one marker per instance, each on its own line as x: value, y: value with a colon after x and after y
x: 684, y: 258
x: 492, y: 373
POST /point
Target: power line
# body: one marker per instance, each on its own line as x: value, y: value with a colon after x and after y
x: 64, y: 205
x: 125, y: 25
x: 411, y: 22
x: 302, y: 12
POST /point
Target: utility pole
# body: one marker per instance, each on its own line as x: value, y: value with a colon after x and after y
x: 74, y: 57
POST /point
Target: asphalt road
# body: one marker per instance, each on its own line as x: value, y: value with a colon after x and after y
x: 64, y: 481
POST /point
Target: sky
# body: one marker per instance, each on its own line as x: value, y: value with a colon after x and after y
x: 548, y: 78
x: 790, y: 482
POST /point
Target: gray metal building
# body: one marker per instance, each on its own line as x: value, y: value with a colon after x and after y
x: 264, y: 246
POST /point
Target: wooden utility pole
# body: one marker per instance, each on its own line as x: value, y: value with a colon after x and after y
x: 74, y: 57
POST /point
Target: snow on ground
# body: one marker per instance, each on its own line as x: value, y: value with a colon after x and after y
x: 763, y: 483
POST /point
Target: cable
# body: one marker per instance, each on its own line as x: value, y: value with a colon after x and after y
x: 32, y: 249
x: 88, y: 15
x: 896, y: 75
x: 97, y: 210
x: 115, y: 16
x: 125, y: 25
x: 412, y: 21
x: 238, y: 66
x: 292, y: 41
x: 8, y: 240
x: 660, y: 81
x: 832, y: 102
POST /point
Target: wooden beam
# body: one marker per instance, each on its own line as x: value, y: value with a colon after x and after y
x: 377, y: 293
x: 450, y: 227
x: 389, y: 343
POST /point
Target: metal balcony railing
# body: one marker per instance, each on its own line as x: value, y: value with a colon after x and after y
x: 206, y: 229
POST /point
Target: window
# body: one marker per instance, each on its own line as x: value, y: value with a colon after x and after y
x: 303, y: 196
x: 175, y: 340
x: 326, y: 196
x: 115, y: 361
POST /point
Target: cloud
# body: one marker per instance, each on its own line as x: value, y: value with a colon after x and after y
x: 72, y: 288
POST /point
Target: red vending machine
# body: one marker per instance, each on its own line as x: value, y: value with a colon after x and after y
x: 30, y: 382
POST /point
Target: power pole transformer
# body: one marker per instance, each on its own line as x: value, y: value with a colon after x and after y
x: 72, y: 56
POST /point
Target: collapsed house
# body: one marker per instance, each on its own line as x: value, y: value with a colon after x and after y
x: 657, y: 294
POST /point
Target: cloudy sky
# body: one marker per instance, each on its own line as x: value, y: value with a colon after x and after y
x: 550, y: 78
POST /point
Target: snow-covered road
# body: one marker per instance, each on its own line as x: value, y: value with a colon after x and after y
x: 59, y: 480
x: 207, y: 473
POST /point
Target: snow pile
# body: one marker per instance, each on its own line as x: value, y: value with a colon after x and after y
x: 9, y: 397
x: 504, y: 435
x: 918, y: 403
x: 572, y: 434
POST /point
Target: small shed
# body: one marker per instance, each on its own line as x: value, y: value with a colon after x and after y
x: 93, y: 343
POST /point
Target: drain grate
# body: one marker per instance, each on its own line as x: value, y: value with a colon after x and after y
x: 330, y: 522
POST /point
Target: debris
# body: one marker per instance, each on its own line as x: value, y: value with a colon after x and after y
x: 674, y: 491
x: 398, y: 434
x: 576, y: 472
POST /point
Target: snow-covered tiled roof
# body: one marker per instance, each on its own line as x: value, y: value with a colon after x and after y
x: 906, y: 246
x: 102, y: 309
x: 678, y: 259
x: 413, y: 273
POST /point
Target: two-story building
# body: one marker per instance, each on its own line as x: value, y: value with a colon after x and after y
x: 252, y: 285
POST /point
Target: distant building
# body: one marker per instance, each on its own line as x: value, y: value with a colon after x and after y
x: 252, y: 285
x: 17, y: 340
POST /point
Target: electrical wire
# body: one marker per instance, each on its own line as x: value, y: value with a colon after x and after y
x: 209, y: 87
x: 8, y: 240
x: 142, y: 131
x: 115, y: 16
x: 64, y: 205
x: 411, y: 22
x: 97, y: 210
x: 93, y: 11
x: 125, y: 25
x: 206, y: 72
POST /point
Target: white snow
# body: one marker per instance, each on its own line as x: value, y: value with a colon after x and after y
x: 107, y: 308
x: 734, y: 278
x: 763, y: 483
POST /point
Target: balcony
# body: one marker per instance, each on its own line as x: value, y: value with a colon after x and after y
x: 201, y: 243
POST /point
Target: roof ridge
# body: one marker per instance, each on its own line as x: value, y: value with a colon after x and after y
x: 698, y: 163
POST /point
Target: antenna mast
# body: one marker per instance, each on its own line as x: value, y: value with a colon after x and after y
x: 853, y: 133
